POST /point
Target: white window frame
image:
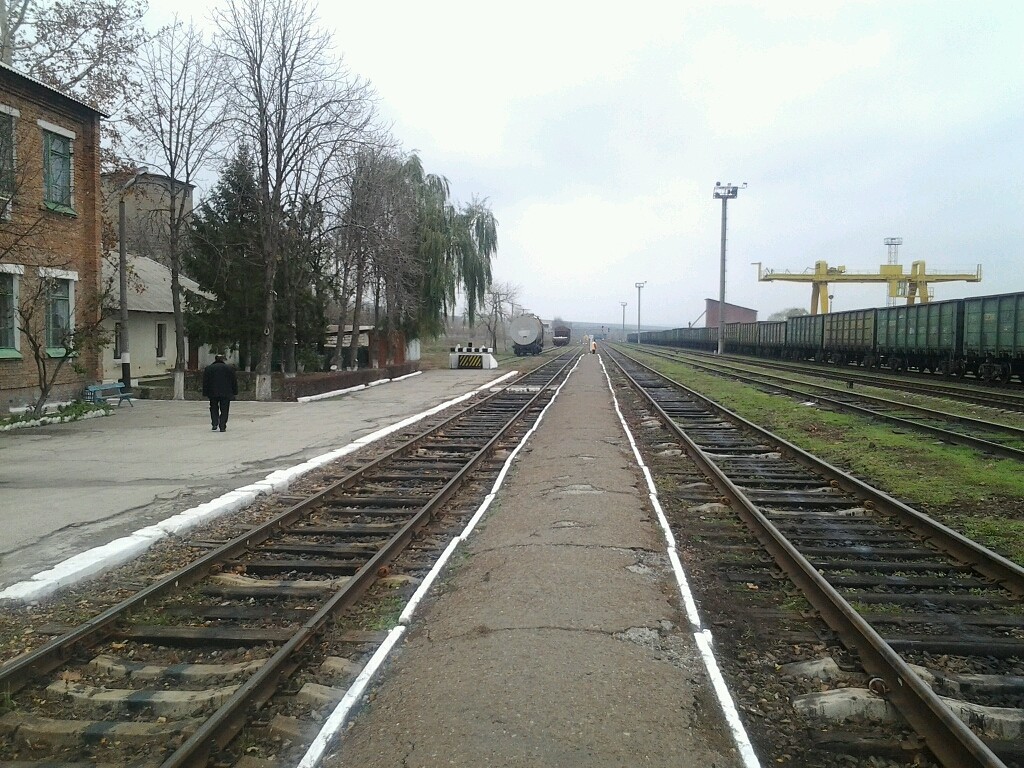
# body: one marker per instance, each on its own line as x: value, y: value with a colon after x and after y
x: 49, y: 127
x: 159, y: 357
x: 15, y: 115
x: 15, y: 271
x: 71, y: 277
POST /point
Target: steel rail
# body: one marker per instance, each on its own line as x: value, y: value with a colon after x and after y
x: 952, y: 742
x: 221, y: 727
x: 977, y: 394
x: 15, y: 673
x: 745, y: 375
x: 993, y: 565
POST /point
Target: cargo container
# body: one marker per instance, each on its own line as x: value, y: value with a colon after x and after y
x: 771, y: 338
x: 922, y: 336
x: 849, y: 337
x: 803, y: 337
x: 993, y: 336
x: 741, y: 338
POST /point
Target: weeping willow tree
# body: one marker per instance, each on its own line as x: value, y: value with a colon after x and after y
x: 454, y: 248
x: 412, y: 249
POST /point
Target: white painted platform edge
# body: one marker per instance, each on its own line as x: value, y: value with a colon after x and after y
x: 121, y: 550
x: 334, y: 723
x: 701, y: 636
x: 341, y: 712
x: 347, y: 390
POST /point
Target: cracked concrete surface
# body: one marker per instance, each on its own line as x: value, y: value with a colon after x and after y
x: 557, y: 640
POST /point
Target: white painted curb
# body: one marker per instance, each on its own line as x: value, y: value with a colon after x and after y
x: 121, y: 550
x: 330, y: 730
x: 701, y: 635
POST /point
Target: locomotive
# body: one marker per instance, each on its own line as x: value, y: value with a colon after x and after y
x: 560, y: 335
x: 981, y: 336
x: 527, y: 332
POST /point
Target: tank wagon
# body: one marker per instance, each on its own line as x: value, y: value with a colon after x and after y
x: 979, y: 336
x: 527, y: 332
x: 560, y: 335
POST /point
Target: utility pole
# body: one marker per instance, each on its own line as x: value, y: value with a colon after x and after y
x: 623, y: 303
x: 723, y: 193
x: 122, y: 259
x: 638, y: 287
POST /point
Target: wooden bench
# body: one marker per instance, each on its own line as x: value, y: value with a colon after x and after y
x: 98, y: 393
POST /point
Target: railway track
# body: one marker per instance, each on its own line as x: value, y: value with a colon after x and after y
x: 923, y: 384
x: 987, y: 436
x: 895, y: 587
x: 201, y: 665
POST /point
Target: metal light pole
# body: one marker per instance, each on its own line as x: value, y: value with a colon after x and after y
x: 623, y: 303
x: 122, y: 260
x: 723, y: 193
x: 638, y: 287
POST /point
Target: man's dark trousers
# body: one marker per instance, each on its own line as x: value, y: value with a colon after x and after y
x: 219, y: 407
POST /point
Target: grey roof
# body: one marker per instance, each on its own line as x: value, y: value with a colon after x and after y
x: 149, y: 283
x: 45, y: 86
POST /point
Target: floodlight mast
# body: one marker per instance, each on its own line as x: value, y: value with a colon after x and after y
x: 623, y: 303
x: 724, y: 192
x: 638, y: 287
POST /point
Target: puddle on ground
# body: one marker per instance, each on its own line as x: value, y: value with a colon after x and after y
x: 579, y: 490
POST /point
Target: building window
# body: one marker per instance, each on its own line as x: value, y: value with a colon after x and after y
x: 117, y: 341
x: 58, y: 313
x: 9, y: 335
x: 7, y: 157
x: 161, y: 341
x: 58, y: 167
x: 60, y: 309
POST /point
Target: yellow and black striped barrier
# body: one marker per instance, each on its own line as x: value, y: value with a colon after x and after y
x: 474, y: 358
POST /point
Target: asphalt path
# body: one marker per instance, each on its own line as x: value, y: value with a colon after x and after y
x: 65, y: 488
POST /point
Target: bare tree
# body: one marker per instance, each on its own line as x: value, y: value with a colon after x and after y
x: 496, y: 310
x: 379, y: 238
x: 58, y: 332
x: 181, y: 117
x: 60, y: 327
x: 84, y: 47
x: 298, y: 107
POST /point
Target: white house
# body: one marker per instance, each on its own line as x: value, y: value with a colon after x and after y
x: 150, y: 320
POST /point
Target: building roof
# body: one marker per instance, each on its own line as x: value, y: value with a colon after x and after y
x: 40, y: 84
x: 149, y: 283
x: 143, y: 176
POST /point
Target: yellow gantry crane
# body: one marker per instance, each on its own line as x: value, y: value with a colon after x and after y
x: 912, y: 286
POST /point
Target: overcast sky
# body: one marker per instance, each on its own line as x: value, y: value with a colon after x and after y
x: 597, y: 131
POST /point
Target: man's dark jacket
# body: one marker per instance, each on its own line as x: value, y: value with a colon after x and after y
x: 219, y: 380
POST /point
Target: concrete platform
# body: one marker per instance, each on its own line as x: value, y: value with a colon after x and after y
x: 558, y: 637
x: 65, y: 488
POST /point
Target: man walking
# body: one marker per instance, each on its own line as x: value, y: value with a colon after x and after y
x: 220, y: 385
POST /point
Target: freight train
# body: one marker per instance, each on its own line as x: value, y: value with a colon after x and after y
x: 527, y: 332
x: 980, y: 336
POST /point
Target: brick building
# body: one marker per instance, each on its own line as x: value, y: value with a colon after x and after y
x: 733, y: 313
x: 50, y: 230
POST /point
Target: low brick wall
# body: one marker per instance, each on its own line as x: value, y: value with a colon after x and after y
x: 308, y: 384
x: 283, y: 389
